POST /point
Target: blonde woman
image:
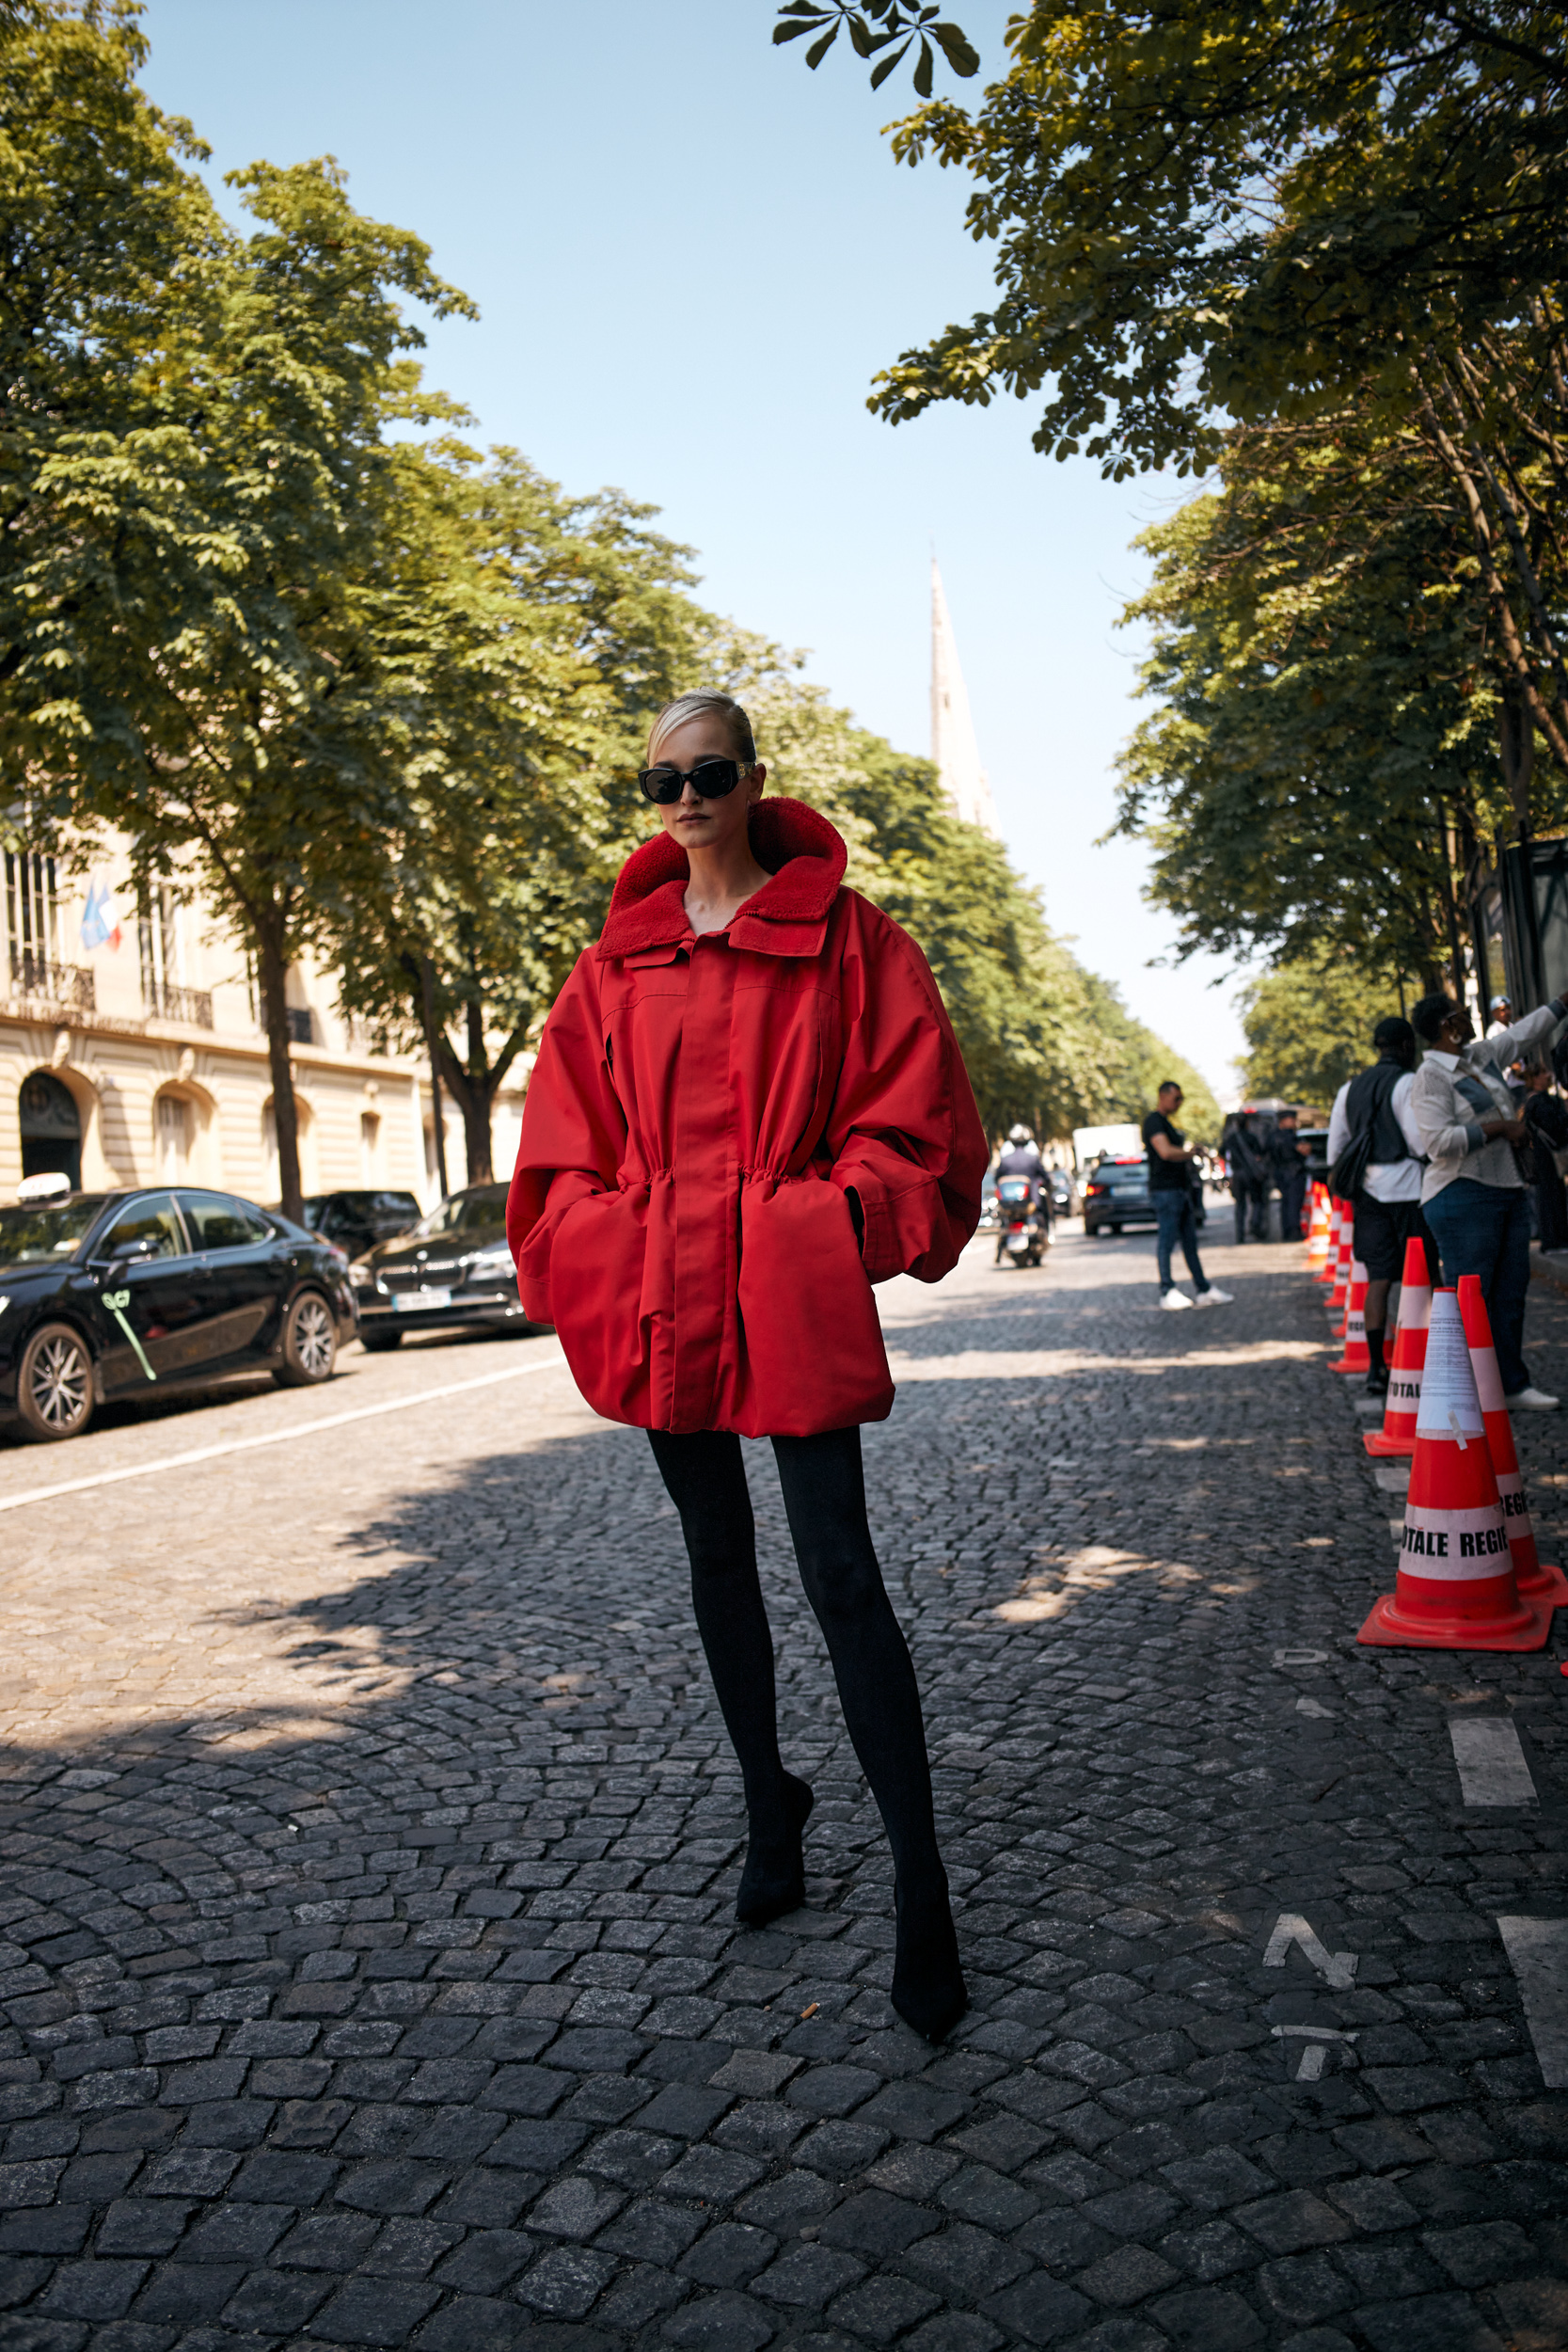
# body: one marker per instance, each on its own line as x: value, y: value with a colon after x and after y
x: 748, y: 1106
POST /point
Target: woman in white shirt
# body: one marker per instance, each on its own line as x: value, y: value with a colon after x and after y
x: 1474, y: 1192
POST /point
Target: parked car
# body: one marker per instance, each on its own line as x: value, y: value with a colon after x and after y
x: 1117, y: 1195
x: 454, y: 1270
x: 357, y: 1221
x: 106, y: 1295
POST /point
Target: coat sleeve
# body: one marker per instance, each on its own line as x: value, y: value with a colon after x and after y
x: 904, y: 1134
x: 572, y: 1138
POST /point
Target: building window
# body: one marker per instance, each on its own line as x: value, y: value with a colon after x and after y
x: 174, y: 1137
x: 158, y: 941
x: 33, y: 923
x: 370, y: 1147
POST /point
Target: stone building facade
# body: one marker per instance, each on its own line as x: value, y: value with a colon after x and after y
x: 138, y: 1056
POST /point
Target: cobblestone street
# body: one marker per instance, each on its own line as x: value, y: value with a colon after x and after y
x: 371, y: 1840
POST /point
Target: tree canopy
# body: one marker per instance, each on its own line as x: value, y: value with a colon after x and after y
x: 377, y: 694
x: 1309, y: 1026
x: 1209, y: 216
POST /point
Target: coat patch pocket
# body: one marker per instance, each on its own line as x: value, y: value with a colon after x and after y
x: 813, y: 1337
x: 597, y: 1265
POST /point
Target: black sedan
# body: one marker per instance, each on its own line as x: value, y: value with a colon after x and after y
x: 357, y: 1221
x: 110, y: 1294
x: 452, y: 1271
x: 1117, y: 1194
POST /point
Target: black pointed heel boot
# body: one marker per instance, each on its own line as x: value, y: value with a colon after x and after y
x: 928, y: 1988
x: 774, y: 1879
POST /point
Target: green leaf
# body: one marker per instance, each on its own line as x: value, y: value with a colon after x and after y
x: 793, y: 32
x: 923, y: 71
x: 819, y: 49
x: 963, y: 60
x: 860, y: 36
x: 881, y: 73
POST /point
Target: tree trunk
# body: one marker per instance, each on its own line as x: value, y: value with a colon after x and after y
x: 432, y: 1040
x: 473, y: 1089
x: 477, y: 1111
x: 272, y: 972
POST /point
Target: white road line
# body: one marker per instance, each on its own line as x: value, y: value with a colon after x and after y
x: 275, y: 1436
x: 1538, y: 1949
x: 1338, y: 1968
x: 1492, y: 1767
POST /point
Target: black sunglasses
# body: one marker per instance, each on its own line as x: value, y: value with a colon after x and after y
x: 713, y: 779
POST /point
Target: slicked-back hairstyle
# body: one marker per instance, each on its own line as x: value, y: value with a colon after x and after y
x: 1430, y: 1014
x: 704, y: 706
x: 1394, y: 1036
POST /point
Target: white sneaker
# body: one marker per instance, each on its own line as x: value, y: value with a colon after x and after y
x: 1530, y: 1400
x: 1173, y: 1301
x: 1212, y: 1296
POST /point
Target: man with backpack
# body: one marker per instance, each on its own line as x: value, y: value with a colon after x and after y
x: 1376, y: 1161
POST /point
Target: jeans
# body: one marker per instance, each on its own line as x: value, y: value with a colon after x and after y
x: 824, y: 1494
x: 1176, y: 1222
x: 1484, y: 1230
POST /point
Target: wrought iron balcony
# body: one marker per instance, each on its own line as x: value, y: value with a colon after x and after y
x: 192, y: 1005
x: 61, y: 983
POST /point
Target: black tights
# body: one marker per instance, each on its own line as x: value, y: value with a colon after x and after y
x: 824, y: 1493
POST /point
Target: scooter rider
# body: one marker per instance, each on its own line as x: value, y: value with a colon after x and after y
x: 1021, y: 1157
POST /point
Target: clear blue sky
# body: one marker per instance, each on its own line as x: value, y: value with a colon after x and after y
x: 691, y: 256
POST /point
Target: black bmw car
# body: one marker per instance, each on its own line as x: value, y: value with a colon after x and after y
x: 452, y: 1271
x: 111, y: 1294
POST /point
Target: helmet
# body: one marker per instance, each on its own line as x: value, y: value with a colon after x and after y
x: 1020, y: 1135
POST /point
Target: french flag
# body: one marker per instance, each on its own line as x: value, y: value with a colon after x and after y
x: 101, y: 918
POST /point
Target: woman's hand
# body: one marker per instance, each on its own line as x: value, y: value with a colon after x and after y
x: 1514, y: 1129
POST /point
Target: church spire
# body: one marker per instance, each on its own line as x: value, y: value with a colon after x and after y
x: 953, y: 746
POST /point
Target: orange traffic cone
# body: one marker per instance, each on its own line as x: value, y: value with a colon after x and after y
x: 1317, y: 1232
x: 1397, y: 1433
x: 1331, y: 1257
x: 1535, y: 1581
x: 1338, y: 1297
x: 1455, y: 1583
x: 1357, y: 1355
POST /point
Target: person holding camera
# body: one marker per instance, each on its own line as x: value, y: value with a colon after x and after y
x: 1475, y: 1192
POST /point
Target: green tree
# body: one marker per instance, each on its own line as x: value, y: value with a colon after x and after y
x: 1309, y: 1026
x: 1319, y: 763
x: 565, y: 628
x: 202, y: 646
x: 1207, y: 213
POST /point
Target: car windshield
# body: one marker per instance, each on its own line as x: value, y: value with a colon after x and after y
x: 38, y: 1233
x: 464, y: 1212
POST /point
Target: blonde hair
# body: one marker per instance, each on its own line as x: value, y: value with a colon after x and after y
x: 701, y: 705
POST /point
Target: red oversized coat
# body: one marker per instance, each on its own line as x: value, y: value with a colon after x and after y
x: 699, y: 1109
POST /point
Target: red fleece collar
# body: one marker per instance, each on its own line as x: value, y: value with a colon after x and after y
x: 805, y: 856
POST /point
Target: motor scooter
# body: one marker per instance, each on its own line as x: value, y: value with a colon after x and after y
x: 1024, y: 1233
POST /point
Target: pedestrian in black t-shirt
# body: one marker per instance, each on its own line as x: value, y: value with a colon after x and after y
x: 1170, y: 1194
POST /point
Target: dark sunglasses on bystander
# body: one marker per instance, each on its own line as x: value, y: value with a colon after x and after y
x: 711, y: 778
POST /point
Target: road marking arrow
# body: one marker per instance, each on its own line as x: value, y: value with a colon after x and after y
x: 1338, y: 1968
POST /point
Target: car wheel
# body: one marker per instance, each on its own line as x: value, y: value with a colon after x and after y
x: 380, y: 1343
x: 1116, y: 1228
x: 53, y: 1389
x: 309, y: 1344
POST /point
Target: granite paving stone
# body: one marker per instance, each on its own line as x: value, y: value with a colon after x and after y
x: 368, y: 1965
